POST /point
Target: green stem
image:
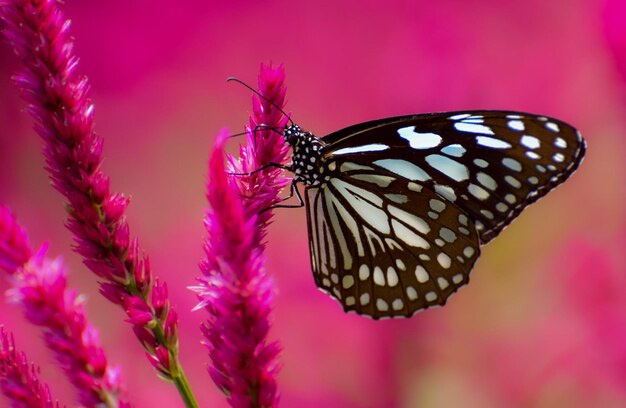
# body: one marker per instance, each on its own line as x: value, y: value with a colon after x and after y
x: 183, y: 388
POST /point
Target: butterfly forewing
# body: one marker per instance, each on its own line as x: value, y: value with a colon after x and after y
x: 385, y: 246
x: 492, y: 164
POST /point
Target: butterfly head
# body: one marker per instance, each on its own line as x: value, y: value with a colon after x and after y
x: 292, y: 134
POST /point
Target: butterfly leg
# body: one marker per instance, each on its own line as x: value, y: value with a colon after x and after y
x: 266, y: 166
x: 294, y: 191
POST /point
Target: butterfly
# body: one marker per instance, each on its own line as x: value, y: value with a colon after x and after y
x: 398, y: 208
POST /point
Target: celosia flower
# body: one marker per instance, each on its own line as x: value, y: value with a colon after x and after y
x: 57, y: 94
x: 19, y: 380
x: 40, y: 287
x: 235, y: 289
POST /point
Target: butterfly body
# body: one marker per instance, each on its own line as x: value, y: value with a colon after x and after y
x: 306, y: 161
x: 398, y: 208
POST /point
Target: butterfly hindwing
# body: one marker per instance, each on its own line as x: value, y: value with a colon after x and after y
x: 385, y: 246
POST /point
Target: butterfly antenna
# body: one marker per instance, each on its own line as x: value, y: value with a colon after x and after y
x: 253, y: 131
x: 229, y: 79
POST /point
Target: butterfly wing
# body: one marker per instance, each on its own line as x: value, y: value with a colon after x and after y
x: 491, y: 164
x: 406, y: 202
x: 385, y: 246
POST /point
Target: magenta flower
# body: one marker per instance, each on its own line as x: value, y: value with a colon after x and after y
x: 235, y: 289
x: 19, y: 380
x: 57, y: 96
x: 40, y: 287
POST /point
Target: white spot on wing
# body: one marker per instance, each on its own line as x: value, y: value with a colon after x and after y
x: 481, y: 163
x: 459, y: 116
x: 364, y: 272
x: 372, y: 239
x: 411, y: 293
x: 455, y: 150
x: 552, y: 126
x: 449, y: 167
x: 512, y: 164
x: 414, y: 187
x: 445, y: 192
x: 392, y: 277
x: 349, y: 166
x: 473, y: 128
x: 374, y: 147
x: 381, y: 305
x: 419, y: 140
x: 533, y: 155
x: 408, y: 236
x: 530, y: 142
x: 492, y: 142
x: 421, y: 275
x: 397, y: 198
x: 486, y: 180
x: 436, y: 205
x: 513, y: 181
x: 516, y: 125
x: 444, y: 260
x: 381, y: 181
x: 410, y: 219
x: 487, y: 213
x: 478, y: 192
x: 560, y: 143
x: 404, y: 169
x: 447, y: 234
x: 379, y: 278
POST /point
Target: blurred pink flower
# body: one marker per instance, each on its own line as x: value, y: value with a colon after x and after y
x: 40, y: 287
x: 580, y: 341
x: 19, y: 380
x: 15, y: 248
x: 614, y: 27
x: 39, y: 34
x: 593, y: 292
x: 235, y: 289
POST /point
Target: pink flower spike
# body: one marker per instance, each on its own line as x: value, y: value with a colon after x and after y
x: 14, y: 246
x: 19, y: 380
x: 235, y: 290
x: 40, y: 287
x: 58, y: 97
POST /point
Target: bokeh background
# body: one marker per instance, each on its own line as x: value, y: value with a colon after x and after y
x: 543, y: 322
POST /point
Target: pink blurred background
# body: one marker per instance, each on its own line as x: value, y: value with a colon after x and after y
x: 543, y: 323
